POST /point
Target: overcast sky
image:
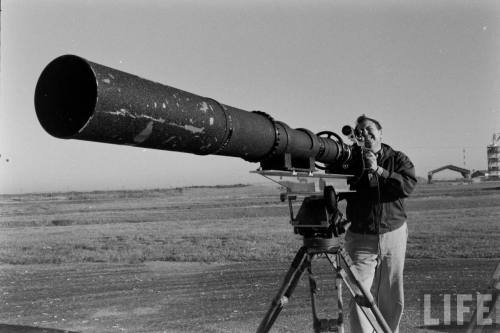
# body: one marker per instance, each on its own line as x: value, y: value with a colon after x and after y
x: 428, y: 70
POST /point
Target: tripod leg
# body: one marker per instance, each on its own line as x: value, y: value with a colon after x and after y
x: 340, y: 305
x: 334, y: 259
x: 319, y: 325
x: 299, y: 264
x: 340, y: 316
x: 313, y: 288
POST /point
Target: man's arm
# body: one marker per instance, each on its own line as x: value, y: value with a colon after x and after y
x: 401, y: 182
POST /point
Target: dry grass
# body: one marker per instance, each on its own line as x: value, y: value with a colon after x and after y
x: 221, y: 224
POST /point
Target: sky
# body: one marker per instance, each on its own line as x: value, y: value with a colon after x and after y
x: 427, y: 70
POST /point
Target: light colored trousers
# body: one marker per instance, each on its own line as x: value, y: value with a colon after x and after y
x: 379, y: 262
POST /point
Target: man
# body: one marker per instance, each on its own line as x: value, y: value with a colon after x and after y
x: 376, y: 239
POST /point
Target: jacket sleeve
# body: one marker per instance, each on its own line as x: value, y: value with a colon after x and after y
x: 402, y: 180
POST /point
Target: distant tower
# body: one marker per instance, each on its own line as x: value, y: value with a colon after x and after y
x: 493, y: 152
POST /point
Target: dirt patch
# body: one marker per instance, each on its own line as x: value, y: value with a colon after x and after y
x: 197, y: 297
x: 166, y: 267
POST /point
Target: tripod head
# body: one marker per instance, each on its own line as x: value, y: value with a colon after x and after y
x: 319, y: 219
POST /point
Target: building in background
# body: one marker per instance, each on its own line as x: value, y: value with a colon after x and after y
x: 492, y: 173
x: 493, y: 153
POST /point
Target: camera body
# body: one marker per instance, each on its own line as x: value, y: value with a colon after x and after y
x: 319, y: 216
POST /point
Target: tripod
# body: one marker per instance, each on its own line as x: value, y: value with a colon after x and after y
x: 320, y: 223
x: 341, y: 264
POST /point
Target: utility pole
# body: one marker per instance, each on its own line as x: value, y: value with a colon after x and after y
x: 465, y: 164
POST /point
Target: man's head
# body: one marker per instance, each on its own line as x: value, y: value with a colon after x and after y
x: 369, y: 132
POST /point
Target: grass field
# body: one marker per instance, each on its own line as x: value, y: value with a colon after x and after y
x: 209, y: 259
x: 221, y: 224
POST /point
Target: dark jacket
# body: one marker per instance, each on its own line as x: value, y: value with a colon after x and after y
x: 378, y: 205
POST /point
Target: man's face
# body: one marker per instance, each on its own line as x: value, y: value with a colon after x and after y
x: 369, y: 135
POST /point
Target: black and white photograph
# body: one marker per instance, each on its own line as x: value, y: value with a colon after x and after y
x: 244, y: 166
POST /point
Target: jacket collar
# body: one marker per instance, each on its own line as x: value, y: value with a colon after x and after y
x: 385, y: 152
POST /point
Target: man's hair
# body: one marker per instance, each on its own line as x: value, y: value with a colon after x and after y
x: 363, y: 117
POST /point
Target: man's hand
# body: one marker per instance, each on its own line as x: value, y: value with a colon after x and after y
x: 370, y: 160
